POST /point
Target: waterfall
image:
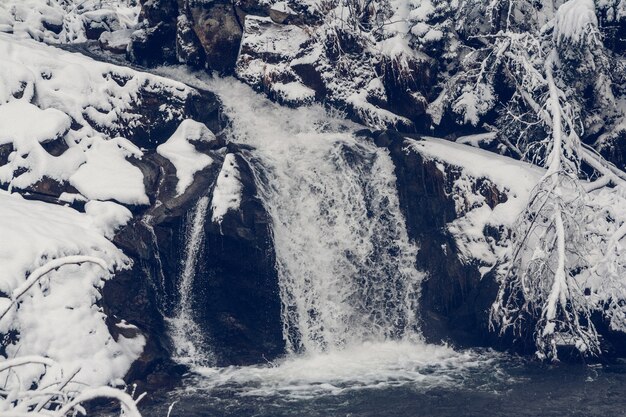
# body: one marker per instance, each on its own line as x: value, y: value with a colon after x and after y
x: 345, y: 263
x: 189, y: 340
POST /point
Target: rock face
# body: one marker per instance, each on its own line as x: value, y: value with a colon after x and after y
x: 235, y: 290
x: 239, y: 304
x: 457, y: 295
x: 198, y: 33
x: 217, y: 27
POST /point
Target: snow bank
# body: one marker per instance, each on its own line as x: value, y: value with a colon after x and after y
x: 228, y: 188
x: 57, y: 317
x: 183, y: 155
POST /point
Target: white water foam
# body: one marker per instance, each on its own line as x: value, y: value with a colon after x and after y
x: 369, y: 365
x: 189, y: 340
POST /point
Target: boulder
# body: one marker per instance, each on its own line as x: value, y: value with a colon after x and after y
x: 219, y: 31
x: 99, y: 21
x: 188, y: 48
x: 116, y: 42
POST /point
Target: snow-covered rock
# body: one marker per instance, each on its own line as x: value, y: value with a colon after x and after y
x: 57, y: 21
x: 82, y: 106
x: 474, y: 176
x: 59, y: 316
x: 179, y: 149
x: 228, y: 189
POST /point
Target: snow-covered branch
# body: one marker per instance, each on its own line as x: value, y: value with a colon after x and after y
x: 38, y: 273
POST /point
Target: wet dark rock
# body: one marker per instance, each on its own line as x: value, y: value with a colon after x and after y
x: 455, y: 300
x: 55, y: 147
x: 407, y: 87
x: 217, y: 26
x: 153, y: 45
x: 241, y: 307
x: 131, y: 298
x: 312, y: 78
x: 188, y: 47
x: 52, y: 24
x: 156, y: 125
x: 5, y: 151
x: 235, y: 291
x: 155, y: 41
x: 614, y: 150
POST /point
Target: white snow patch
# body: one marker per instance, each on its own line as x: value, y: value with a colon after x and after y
x: 24, y: 124
x: 227, y: 192
x: 107, y: 216
x: 477, y: 139
x: 183, y: 154
x: 575, y: 19
x: 107, y: 174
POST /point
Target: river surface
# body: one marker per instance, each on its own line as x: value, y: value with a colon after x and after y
x: 485, y: 385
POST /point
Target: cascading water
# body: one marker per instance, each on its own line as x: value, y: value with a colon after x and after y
x: 345, y: 263
x: 348, y: 283
x: 189, y: 340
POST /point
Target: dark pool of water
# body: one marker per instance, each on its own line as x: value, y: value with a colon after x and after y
x: 507, y: 387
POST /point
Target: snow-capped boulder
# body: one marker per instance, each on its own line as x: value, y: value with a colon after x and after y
x: 181, y: 152
x: 116, y: 41
x: 97, y: 22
